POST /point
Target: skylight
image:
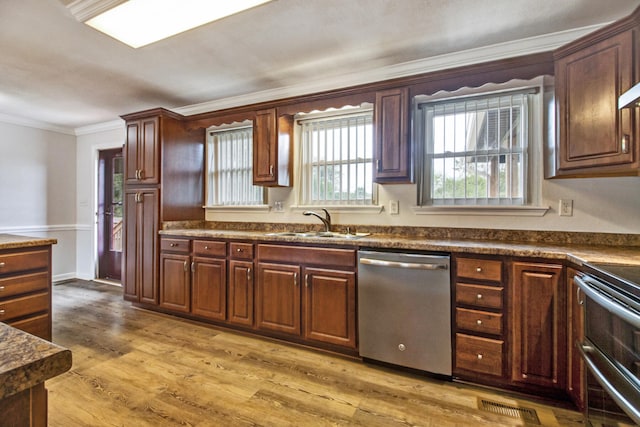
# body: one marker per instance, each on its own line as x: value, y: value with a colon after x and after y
x: 142, y: 22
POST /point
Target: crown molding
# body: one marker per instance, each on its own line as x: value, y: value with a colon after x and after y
x: 21, y: 121
x: 521, y: 47
x: 100, y: 127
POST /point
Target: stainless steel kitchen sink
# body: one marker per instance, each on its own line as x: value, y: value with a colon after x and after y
x: 325, y: 234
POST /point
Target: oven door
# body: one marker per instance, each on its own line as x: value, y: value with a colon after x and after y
x: 611, y: 352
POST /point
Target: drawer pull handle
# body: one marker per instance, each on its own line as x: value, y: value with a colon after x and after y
x: 173, y: 245
x: 2, y: 312
x: 1, y: 288
x: 479, y: 356
x: 479, y: 269
x: 479, y: 322
x: 479, y: 296
x: 2, y: 264
x: 248, y: 275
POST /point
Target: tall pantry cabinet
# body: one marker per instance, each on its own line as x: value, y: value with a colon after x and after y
x: 164, y: 164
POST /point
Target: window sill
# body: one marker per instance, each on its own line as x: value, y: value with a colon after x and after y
x: 369, y: 209
x: 481, y: 210
x: 245, y: 209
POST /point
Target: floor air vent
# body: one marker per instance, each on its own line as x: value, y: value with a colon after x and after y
x: 528, y: 415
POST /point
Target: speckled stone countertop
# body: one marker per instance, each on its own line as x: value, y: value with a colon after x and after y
x: 26, y: 360
x: 573, y: 247
x: 12, y: 241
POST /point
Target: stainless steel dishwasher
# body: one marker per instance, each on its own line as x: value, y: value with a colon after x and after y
x: 404, y: 309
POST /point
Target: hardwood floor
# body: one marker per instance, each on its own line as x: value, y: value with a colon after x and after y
x: 136, y: 368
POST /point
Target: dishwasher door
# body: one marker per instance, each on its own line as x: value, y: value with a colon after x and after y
x: 404, y: 309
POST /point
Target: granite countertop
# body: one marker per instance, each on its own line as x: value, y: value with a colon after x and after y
x: 26, y: 360
x: 576, y: 253
x: 12, y: 241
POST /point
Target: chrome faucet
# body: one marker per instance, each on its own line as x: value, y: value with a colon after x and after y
x: 326, y: 220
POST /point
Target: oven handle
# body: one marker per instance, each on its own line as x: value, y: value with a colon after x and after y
x: 586, y: 284
x: 586, y: 351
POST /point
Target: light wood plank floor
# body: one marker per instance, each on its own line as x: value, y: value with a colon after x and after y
x: 132, y: 367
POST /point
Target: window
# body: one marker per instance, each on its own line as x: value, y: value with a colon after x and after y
x: 337, y: 159
x: 476, y: 148
x: 230, y: 167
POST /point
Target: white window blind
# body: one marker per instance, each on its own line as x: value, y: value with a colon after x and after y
x: 336, y: 160
x: 230, y: 168
x: 475, y: 150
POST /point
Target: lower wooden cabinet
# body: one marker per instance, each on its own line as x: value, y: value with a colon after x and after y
x: 209, y: 287
x: 278, y: 298
x: 175, y: 282
x: 538, y: 322
x: 240, y: 293
x: 479, y: 354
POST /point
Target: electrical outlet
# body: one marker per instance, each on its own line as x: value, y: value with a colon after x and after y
x: 278, y: 206
x: 394, y: 207
x: 566, y: 207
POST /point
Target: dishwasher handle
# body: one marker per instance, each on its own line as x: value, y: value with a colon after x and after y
x: 396, y: 264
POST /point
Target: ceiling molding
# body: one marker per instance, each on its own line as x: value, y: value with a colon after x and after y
x: 83, y: 10
x: 21, y: 121
x: 117, y: 124
x: 543, y: 43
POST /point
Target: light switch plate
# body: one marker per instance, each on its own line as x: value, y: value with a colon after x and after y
x: 394, y: 207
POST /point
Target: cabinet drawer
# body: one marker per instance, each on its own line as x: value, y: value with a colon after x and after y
x: 241, y: 250
x: 478, y: 354
x: 36, y: 325
x: 479, y: 295
x: 481, y: 269
x: 174, y: 245
x: 24, y: 306
x: 24, y: 261
x: 23, y: 284
x: 479, y: 321
x: 209, y: 248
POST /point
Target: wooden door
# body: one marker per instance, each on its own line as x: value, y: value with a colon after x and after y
x: 278, y: 298
x: 209, y: 288
x: 174, y: 282
x: 593, y: 132
x: 264, y: 148
x: 240, y: 288
x: 392, y: 146
x: 142, y: 150
x: 330, y: 306
x: 575, y: 333
x: 132, y: 147
x: 538, y: 324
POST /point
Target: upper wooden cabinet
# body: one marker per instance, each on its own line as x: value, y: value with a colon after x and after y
x: 272, y: 147
x: 594, y: 137
x: 392, y: 148
x: 143, y: 151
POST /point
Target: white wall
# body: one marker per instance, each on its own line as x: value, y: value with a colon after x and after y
x: 37, y: 189
x: 88, y: 145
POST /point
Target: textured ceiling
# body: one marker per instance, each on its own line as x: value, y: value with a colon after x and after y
x: 56, y: 70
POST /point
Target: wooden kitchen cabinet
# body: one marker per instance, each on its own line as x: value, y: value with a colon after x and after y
x: 538, y: 323
x: 392, y: 145
x: 241, y: 293
x: 330, y: 306
x: 209, y: 279
x: 141, y: 224
x: 25, y: 289
x: 143, y: 151
x: 480, y: 333
x: 278, y: 298
x: 576, y: 386
x: 594, y: 137
x: 175, y: 275
x: 272, y: 149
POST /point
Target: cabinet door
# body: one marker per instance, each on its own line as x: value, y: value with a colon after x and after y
x: 330, y: 306
x: 174, y: 282
x: 209, y: 288
x: 141, y: 235
x: 593, y: 132
x: 143, y: 151
x: 392, y: 146
x: 575, y: 333
x: 240, y: 293
x: 272, y: 146
x: 278, y: 298
x: 538, y: 324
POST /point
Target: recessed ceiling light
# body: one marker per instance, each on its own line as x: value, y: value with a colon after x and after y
x: 142, y: 22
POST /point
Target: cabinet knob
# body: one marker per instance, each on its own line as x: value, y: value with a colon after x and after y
x: 402, y: 347
x: 479, y: 269
x: 239, y: 250
x: 206, y: 248
x: 1, y: 288
x: 173, y: 245
x: 479, y: 356
x: 2, y: 264
x: 2, y: 312
x: 479, y: 296
x: 479, y: 322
